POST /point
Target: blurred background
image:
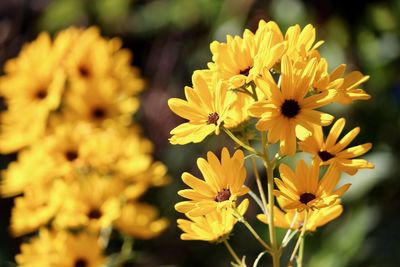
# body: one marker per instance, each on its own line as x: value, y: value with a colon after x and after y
x: 170, y: 39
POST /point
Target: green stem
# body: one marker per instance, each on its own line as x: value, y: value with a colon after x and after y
x: 260, y: 187
x: 271, y: 202
x: 239, y: 142
x: 287, y: 238
x: 253, y: 89
x: 233, y: 253
x: 299, y: 241
x: 301, y: 252
x: 255, y: 234
x: 126, y: 251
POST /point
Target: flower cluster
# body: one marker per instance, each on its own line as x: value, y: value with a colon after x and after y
x: 265, y: 89
x: 82, y: 162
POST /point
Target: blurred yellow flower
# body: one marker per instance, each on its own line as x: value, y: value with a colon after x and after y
x: 92, y: 203
x: 33, y: 167
x: 98, y: 102
x: 38, y: 205
x: 334, y: 152
x: 302, y: 189
x: 140, y: 221
x: 61, y: 249
x: 34, y: 94
x: 223, y: 183
x: 215, y: 226
x: 288, y: 112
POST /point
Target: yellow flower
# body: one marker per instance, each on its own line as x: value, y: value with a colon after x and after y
x: 295, y: 220
x: 34, y: 167
x: 34, y: 94
x: 213, y: 227
x: 92, y: 203
x: 33, y: 55
x: 288, y: 113
x: 234, y: 60
x: 302, y: 189
x: 223, y: 183
x: 89, y: 58
x: 334, y: 152
x: 98, y: 102
x: 61, y: 249
x: 140, y: 221
x: 93, y: 57
x: 346, y: 87
x: 300, y: 43
x: 35, y: 208
x: 206, y: 109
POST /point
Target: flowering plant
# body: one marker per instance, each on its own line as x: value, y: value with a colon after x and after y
x: 83, y: 163
x: 263, y: 90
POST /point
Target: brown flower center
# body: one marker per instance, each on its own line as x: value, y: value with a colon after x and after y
x: 306, y: 197
x: 71, y: 155
x: 84, y: 71
x: 94, y: 213
x: 80, y: 262
x: 3, y: 104
x: 99, y: 113
x: 246, y: 71
x: 213, y: 118
x: 41, y: 94
x: 290, y: 108
x: 223, y: 195
x: 325, y: 155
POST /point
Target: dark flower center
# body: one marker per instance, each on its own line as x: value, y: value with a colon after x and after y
x: 245, y: 72
x: 81, y: 263
x: 3, y: 104
x: 290, y: 108
x: 223, y: 195
x: 325, y: 155
x: 71, y: 155
x: 94, y: 213
x: 84, y: 71
x: 99, y: 113
x: 213, y: 118
x: 306, y: 197
x: 41, y: 94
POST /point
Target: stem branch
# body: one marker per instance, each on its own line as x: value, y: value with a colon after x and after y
x: 233, y: 253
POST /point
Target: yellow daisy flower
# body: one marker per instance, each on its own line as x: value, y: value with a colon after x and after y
x: 346, y: 87
x: 90, y: 59
x: 288, y: 112
x: 295, y: 220
x: 93, y: 57
x: 92, y: 203
x: 140, y: 221
x: 32, y: 54
x: 99, y: 102
x: 334, y: 152
x: 300, y: 43
x: 206, y: 109
x: 33, y: 167
x: 35, y: 208
x: 302, y: 189
x: 215, y: 226
x: 234, y: 60
x: 223, y: 183
x: 61, y: 249
x: 35, y: 94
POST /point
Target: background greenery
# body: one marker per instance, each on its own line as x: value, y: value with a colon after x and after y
x: 170, y: 39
